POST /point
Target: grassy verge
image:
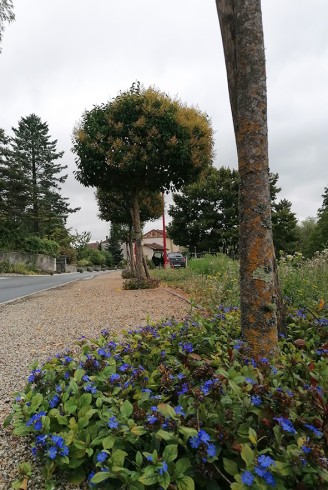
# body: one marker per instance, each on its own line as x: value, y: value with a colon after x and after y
x: 213, y: 280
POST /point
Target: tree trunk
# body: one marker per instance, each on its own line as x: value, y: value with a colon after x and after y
x: 243, y: 44
x: 130, y: 252
x: 138, y: 237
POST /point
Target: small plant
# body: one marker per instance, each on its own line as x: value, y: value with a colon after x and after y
x: 17, y: 268
x: 145, y: 283
x: 127, y: 274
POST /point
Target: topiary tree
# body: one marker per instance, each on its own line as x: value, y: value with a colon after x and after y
x: 142, y: 140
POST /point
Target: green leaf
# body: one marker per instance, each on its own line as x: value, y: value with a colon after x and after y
x: 109, y: 442
x: 247, y: 454
x: 182, y: 465
x: 138, y: 430
x: 170, y: 453
x: 118, y: 457
x: 126, y: 409
x: 139, y: 458
x: 78, y: 375
x: 166, y: 410
x: 73, y: 387
x: 237, y: 486
x: 100, y: 476
x: 85, y: 399
x: 70, y: 406
x: 167, y: 436
x: 149, y: 477
x: 8, y: 419
x: 185, y: 483
x: 188, y: 432
x: 230, y: 466
x: 252, y: 436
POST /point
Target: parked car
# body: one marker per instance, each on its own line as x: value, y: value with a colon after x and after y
x: 176, y: 259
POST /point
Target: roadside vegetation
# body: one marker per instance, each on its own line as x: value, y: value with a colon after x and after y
x: 182, y: 405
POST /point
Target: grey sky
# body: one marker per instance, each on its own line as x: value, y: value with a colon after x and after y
x: 59, y: 58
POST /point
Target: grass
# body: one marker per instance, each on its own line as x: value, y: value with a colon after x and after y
x: 213, y: 280
x: 19, y: 268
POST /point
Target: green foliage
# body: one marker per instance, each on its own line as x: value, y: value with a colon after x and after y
x: 144, y: 283
x: 36, y: 245
x: 30, y: 181
x: 180, y: 405
x: 6, y: 15
x: 205, y: 214
x: 127, y: 274
x: 214, y: 280
x: 141, y: 142
x: 23, y: 268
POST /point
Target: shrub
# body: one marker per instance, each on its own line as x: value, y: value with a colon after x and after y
x: 83, y: 263
x: 144, y: 283
x: 127, y: 274
x: 16, y: 268
x: 36, y: 245
x: 180, y: 405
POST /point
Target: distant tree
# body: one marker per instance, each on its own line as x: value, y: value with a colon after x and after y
x: 324, y: 206
x: 284, y: 226
x: 6, y: 15
x: 33, y: 158
x: 205, y: 213
x: 142, y: 141
x: 243, y: 45
x: 305, y: 230
x: 117, y: 207
x: 115, y: 244
x: 318, y: 239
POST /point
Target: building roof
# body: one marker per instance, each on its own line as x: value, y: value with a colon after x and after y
x: 154, y: 234
x: 154, y: 246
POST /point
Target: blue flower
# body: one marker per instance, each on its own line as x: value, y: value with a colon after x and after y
x: 265, y: 461
x: 179, y: 410
x: 64, y: 451
x: 206, y: 387
x: 163, y: 469
x: 315, y: 431
x: 285, y: 424
x: 247, y: 478
x: 146, y: 390
x: 149, y: 457
x: 54, y: 401
x: 57, y: 440
x: 211, y: 450
x: 42, y: 439
x: 102, y: 456
x: 256, y: 400
x: 194, y: 442
x: 102, y: 352
x: 269, y: 479
x: 204, y: 436
x: 152, y: 419
x: 52, y: 452
x: 306, y: 449
x: 90, y: 388
x: 187, y: 347
x: 35, y: 373
x: 124, y: 367
x: 114, y: 377
x: 184, y: 389
x: 113, y: 422
x: 250, y: 381
x: 58, y: 389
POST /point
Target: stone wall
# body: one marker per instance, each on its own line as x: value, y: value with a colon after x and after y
x: 40, y: 261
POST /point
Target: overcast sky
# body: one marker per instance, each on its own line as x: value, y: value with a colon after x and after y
x: 61, y: 57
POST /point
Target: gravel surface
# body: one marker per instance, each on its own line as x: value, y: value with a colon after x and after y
x: 37, y: 327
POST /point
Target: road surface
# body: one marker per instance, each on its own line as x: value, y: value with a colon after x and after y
x: 14, y: 287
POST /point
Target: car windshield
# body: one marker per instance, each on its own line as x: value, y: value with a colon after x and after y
x: 175, y: 255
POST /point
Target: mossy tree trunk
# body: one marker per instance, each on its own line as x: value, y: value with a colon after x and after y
x: 243, y: 44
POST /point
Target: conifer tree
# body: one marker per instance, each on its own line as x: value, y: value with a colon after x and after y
x: 34, y: 157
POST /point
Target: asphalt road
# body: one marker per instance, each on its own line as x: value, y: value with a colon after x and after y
x: 14, y: 287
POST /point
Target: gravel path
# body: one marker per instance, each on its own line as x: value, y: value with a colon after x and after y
x: 40, y: 326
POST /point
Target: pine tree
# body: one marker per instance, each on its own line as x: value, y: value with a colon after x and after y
x: 34, y: 157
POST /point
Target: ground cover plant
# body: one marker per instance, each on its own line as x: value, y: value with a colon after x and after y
x: 179, y: 405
